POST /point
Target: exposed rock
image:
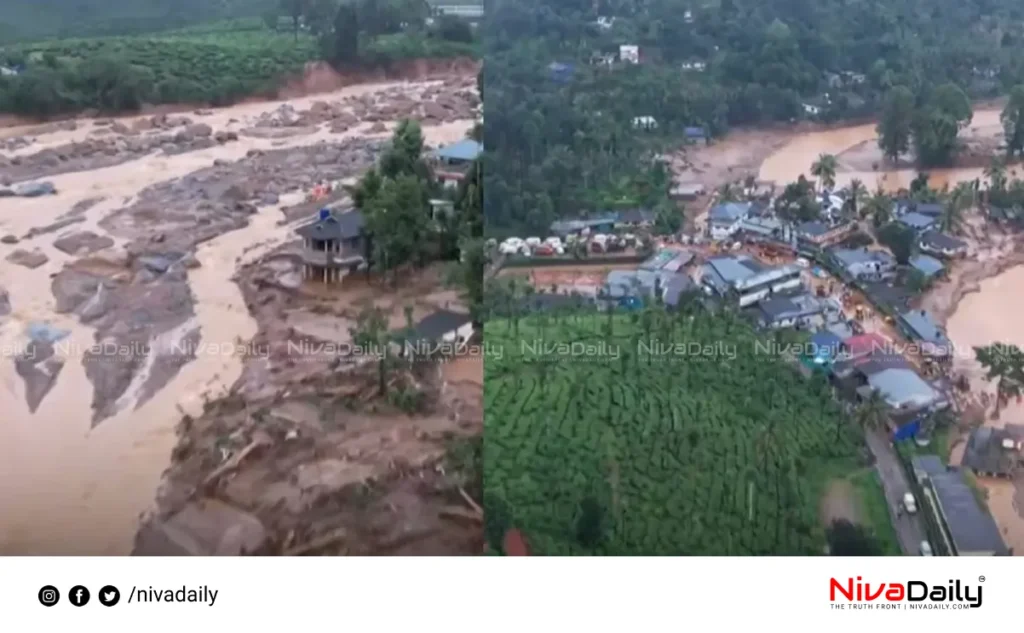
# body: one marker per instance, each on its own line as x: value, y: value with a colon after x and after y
x: 28, y: 259
x: 83, y: 243
x: 5, y: 302
x: 199, y: 130
x: 9, y: 239
x: 39, y: 370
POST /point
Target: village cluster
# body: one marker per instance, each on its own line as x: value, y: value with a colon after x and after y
x: 848, y: 300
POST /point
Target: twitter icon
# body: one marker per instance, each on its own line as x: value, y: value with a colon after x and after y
x: 109, y: 596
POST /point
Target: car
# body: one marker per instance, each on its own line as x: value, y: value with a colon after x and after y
x: 909, y: 503
x: 926, y: 549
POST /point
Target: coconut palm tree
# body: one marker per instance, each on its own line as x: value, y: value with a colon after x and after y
x: 857, y: 192
x: 960, y: 199
x: 996, y: 174
x: 824, y: 169
x: 871, y: 414
x: 1004, y: 364
x: 879, y: 208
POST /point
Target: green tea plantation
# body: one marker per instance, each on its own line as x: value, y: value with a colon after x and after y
x: 655, y: 434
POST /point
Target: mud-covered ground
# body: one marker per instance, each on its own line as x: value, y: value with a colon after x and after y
x: 152, y: 216
x: 304, y: 457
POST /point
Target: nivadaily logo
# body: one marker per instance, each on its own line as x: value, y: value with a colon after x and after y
x: 913, y: 594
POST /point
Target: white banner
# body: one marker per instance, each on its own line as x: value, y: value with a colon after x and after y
x: 495, y: 594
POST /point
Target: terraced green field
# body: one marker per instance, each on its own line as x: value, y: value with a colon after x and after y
x: 723, y: 453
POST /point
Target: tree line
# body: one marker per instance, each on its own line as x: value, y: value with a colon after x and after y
x: 121, y: 74
x: 564, y: 139
x: 928, y: 124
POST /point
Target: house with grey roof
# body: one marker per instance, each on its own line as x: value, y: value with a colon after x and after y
x: 917, y: 221
x: 860, y: 264
x: 333, y: 245
x: 993, y: 452
x: 676, y: 288
x: 758, y: 227
x: 724, y: 219
x: 967, y: 526
x: 904, y: 390
x: 636, y: 217
x: 927, y: 266
x: 642, y: 284
x: 746, y: 280
x: 687, y: 191
x: 903, y: 206
x: 781, y: 311
x: 938, y: 243
x: 822, y: 234
x: 604, y: 223
x: 920, y: 327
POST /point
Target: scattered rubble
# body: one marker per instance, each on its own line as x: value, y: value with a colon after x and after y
x: 303, y: 459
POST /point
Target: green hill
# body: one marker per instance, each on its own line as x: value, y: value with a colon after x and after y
x: 35, y: 19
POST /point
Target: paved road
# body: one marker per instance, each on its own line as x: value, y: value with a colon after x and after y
x: 909, y: 528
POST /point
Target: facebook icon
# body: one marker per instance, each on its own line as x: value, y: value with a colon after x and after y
x: 79, y: 596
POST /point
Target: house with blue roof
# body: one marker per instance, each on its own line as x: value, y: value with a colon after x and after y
x: 724, y: 219
x: 927, y: 266
x: 825, y: 347
x: 920, y: 327
x: 695, y: 134
x: 453, y: 161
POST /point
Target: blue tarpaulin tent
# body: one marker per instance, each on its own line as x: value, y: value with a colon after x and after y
x: 907, y: 431
x: 561, y: 72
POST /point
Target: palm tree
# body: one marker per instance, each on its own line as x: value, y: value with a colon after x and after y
x: 872, y: 413
x: 857, y: 191
x: 878, y: 208
x: 824, y: 169
x: 996, y: 174
x: 1005, y: 364
x: 960, y: 199
x: 728, y: 193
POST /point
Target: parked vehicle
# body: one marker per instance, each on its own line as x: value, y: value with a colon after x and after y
x: 909, y: 503
x: 926, y: 549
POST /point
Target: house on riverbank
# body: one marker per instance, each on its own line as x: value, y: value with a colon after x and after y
x: 992, y: 452
x: 937, y: 243
x: 333, y: 246
x: 452, y: 162
x: 921, y: 328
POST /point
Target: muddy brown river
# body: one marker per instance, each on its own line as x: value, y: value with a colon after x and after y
x: 67, y: 488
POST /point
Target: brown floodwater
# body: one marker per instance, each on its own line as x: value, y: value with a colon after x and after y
x: 69, y: 489
x: 796, y: 157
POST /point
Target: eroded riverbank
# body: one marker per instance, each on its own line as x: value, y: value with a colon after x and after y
x: 84, y: 446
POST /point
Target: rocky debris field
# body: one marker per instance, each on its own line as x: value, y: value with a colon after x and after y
x: 115, y: 144
x: 303, y: 458
x: 139, y: 293
x: 453, y: 100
